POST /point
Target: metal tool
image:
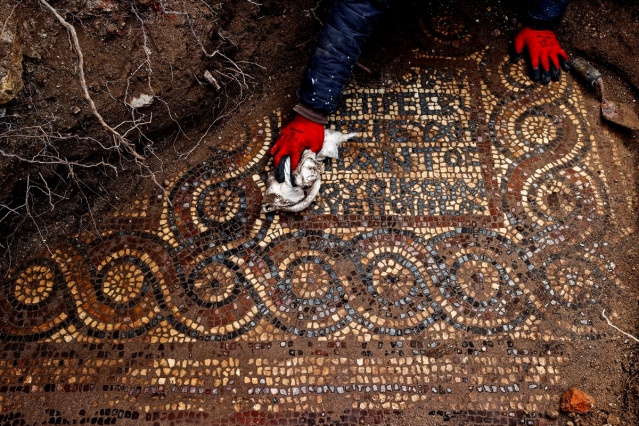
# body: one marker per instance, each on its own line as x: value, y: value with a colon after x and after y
x: 621, y: 114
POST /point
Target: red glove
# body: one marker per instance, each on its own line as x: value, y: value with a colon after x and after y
x: 298, y: 135
x: 542, y: 46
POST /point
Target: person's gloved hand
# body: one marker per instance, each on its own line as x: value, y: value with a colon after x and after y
x: 543, y: 49
x: 298, y: 135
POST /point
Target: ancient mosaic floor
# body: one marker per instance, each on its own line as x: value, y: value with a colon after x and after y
x: 456, y: 250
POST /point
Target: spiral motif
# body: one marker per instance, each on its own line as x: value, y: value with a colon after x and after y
x: 531, y: 131
x: 34, y: 302
x: 506, y: 78
x: 117, y: 286
x: 572, y: 283
x: 486, y: 289
x: 218, y: 204
x: 561, y: 197
x: 213, y: 300
x: 308, y: 293
x: 207, y: 211
x: 35, y: 284
x: 122, y: 281
x: 566, y: 201
x: 395, y: 297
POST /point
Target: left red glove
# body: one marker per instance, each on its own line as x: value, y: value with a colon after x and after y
x: 298, y: 135
x: 543, y: 49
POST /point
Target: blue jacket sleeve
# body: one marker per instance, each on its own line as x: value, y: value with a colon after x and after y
x: 544, y: 14
x: 339, y: 45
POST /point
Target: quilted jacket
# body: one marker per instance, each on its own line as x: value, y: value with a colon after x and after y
x: 347, y: 27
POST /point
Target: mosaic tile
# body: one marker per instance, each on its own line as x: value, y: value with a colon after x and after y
x: 457, y: 248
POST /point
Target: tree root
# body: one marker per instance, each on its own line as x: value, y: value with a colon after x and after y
x: 118, y: 138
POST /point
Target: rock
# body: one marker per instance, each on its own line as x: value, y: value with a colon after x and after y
x: 10, y: 63
x: 613, y: 420
x: 211, y: 80
x: 576, y: 401
x: 552, y: 414
x: 112, y: 29
x: 141, y: 101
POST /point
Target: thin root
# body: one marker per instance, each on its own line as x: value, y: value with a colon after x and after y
x: 603, y: 314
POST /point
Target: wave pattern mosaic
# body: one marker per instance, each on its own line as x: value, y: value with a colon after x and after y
x: 469, y: 214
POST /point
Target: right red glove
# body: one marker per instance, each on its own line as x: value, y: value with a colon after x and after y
x: 298, y: 135
x: 543, y: 49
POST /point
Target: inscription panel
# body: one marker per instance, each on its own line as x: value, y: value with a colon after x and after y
x: 420, y: 156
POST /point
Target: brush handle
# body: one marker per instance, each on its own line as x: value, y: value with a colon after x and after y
x: 585, y: 70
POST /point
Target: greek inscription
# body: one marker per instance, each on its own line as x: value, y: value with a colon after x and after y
x: 415, y: 197
x: 416, y: 152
